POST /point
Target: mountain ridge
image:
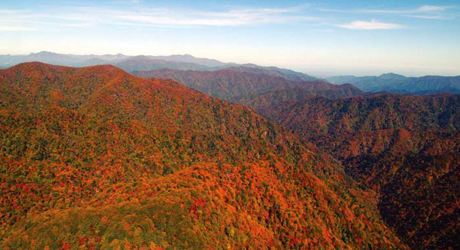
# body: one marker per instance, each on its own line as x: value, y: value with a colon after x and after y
x: 395, y: 83
x: 231, y: 84
x: 184, y: 62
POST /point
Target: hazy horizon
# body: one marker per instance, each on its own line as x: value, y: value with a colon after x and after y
x: 321, y: 71
x: 321, y: 38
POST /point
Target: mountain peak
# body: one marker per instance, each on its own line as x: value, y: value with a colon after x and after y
x: 185, y: 56
x: 391, y: 75
x: 39, y: 70
x: 35, y: 65
x: 44, y: 52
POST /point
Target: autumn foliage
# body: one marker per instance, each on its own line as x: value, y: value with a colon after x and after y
x: 406, y: 148
x: 95, y: 158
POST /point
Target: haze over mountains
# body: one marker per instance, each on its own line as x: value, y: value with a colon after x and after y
x: 137, y: 63
x: 389, y: 82
x: 404, y: 85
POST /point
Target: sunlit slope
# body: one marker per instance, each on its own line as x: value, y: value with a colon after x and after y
x: 95, y: 157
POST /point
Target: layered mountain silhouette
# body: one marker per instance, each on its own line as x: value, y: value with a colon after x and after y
x: 97, y: 158
x: 60, y: 59
x: 404, y: 85
x: 240, y: 84
x: 274, y: 71
x: 148, y: 63
x: 273, y: 98
x: 389, y: 82
x: 404, y: 147
x: 142, y: 63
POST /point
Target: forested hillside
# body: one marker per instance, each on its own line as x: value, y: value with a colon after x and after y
x: 239, y: 84
x: 97, y: 158
x: 404, y: 147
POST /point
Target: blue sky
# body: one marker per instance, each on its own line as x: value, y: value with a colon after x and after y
x: 322, y: 38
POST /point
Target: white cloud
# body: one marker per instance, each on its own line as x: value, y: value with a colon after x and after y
x: 76, y: 25
x: 372, y: 25
x: 423, y: 12
x: 16, y: 28
x: 433, y: 17
x: 421, y: 9
x: 129, y: 2
x: 431, y: 8
x: 9, y: 12
x: 164, y: 17
x: 240, y: 17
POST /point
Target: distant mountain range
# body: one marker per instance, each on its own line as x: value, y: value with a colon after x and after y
x: 400, y: 84
x: 60, y: 59
x: 143, y: 62
x: 390, y: 82
x: 240, y: 83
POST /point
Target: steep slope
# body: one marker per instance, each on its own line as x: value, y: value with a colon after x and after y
x: 406, y: 148
x: 268, y: 100
x: 240, y: 85
x: 222, y: 84
x: 97, y: 158
x: 405, y: 85
x: 260, y: 102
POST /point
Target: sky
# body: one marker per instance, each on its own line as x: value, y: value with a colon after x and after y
x: 321, y: 38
